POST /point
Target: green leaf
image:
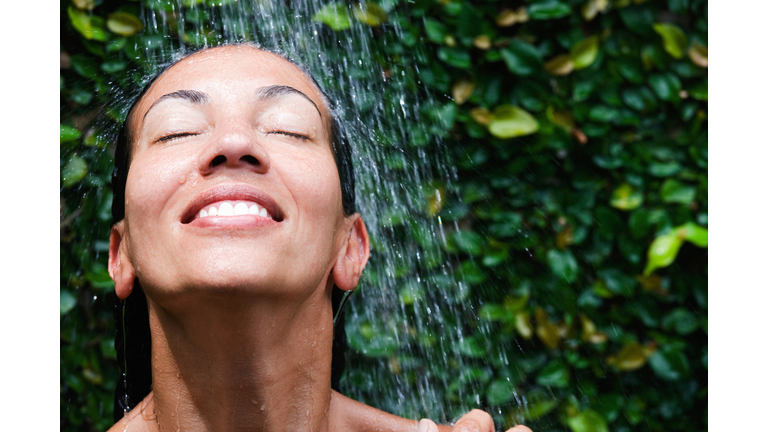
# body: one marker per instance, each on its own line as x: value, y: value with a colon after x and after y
x: 85, y: 65
x: 584, y: 52
x: 554, y: 374
x: 411, y: 292
x: 700, y: 90
x: 663, y: 169
x: 470, y: 347
x: 471, y: 273
x: 587, y: 421
x: 468, y: 241
x: 540, y: 403
x: 675, y: 41
x: 370, y: 13
x: 124, y: 24
x: 548, y: 10
x: 695, y: 234
x: 493, y: 312
x: 112, y: 66
x: 617, y: 282
x: 455, y: 57
x: 334, y: 15
x: 563, y: 264
x: 672, y: 191
x: 67, y: 302
x: 670, y: 364
x: 625, y: 197
x: 521, y: 58
x: 80, y: 21
x: 500, y: 392
x: 116, y: 45
x: 510, y: 121
x: 682, y: 320
x: 602, y: 113
x: 435, y: 30
x: 663, y: 251
x: 74, y: 171
x: 68, y: 133
x: 667, y: 86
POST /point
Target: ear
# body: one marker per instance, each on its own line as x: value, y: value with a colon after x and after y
x: 120, y: 267
x: 353, y: 255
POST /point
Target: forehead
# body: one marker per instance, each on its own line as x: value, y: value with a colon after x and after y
x: 226, y: 73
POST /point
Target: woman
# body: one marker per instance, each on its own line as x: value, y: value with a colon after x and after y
x: 235, y: 222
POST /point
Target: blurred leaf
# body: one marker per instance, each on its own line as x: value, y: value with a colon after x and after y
x: 507, y: 17
x: 471, y: 273
x: 435, y: 30
x: 411, y: 292
x: 74, y: 171
x: 500, y: 392
x: 462, y: 90
x: 85, y: 65
x: 591, y: 8
x: 666, y: 86
x: 548, y: 10
x: 617, y: 282
x: 695, y: 234
x: 584, y: 52
x: 523, y: 325
x: 510, y: 121
x: 670, y: 364
x: 124, y: 24
x: 67, y: 302
x: 468, y: 241
x: 521, y: 58
x: 559, y: 65
x: 546, y: 330
x: 370, y: 13
x: 334, y: 15
x: 699, y: 55
x: 470, y: 347
x: 554, y: 374
x: 675, y: 41
x: 563, y: 264
x: 587, y: 421
x: 663, y: 251
x: 89, y: 28
x: 68, y: 133
x: 672, y: 191
x: 625, y: 197
x: 700, y: 90
x: 481, y: 115
x: 632, y: 356
x: 455, y: 57
x: 493, y: 312
x: 681, y: 320
x: 539, y: 404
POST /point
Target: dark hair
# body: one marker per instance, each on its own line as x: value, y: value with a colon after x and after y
x: 133, y: 342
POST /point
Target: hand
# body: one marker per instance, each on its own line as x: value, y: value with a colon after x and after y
x: 473, y: 421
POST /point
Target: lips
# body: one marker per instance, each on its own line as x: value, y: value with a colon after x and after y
x: 234, y: 196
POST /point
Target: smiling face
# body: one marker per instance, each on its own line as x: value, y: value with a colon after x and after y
x: 232, y: 182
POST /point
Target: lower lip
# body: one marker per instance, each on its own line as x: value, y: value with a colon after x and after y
x: 244, y: 221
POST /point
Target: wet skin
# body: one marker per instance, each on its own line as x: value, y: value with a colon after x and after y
x: 240, y: 306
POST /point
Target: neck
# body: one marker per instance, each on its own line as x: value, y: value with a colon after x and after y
x: 245, y: 364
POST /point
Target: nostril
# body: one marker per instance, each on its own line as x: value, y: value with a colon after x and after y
x: 218, y: 160
x: 249, y: 159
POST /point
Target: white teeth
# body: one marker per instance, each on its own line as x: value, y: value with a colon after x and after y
x: 263, y: 212
x: 241, y: 209
x: 203, y: 213
x: 253, y: 210
x: 226, y: 209
x: 213, y: 211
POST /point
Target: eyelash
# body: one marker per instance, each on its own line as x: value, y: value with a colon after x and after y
x: 175, y: 136
x: 290, y: 134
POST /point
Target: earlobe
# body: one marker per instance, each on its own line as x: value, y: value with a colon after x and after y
x: 353, y: 255
x: 120, y: 268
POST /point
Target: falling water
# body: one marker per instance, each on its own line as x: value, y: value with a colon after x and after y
x: 406, y: 318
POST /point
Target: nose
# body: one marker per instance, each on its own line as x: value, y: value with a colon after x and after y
x: 234, y: 146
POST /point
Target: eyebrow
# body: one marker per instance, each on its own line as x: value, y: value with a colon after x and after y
x: 193, y: 96
x: 262, y: 93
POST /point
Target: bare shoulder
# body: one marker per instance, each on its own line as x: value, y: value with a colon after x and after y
x: 139, y: 419
x: 349, y: 415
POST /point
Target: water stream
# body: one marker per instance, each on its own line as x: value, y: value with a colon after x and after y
x: 405, y: 319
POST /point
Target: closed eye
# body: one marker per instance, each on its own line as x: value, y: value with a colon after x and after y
x: 290, y: 134
x: 175, y: 136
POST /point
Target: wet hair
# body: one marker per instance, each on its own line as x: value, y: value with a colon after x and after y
x: 133, y: 342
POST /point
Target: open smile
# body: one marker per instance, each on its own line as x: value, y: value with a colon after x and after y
x: 236, y: 205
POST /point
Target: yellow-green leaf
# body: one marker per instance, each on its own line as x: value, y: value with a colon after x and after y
x: 675, y: 41
x: 370, y: 13
x: 124, y: 24
x: 334, y: 15
x: 68, y: 133
x: 584, y: 52
x: 625, y: 197
x: 80, y: 21
x: 462, y: 90
x: 481, y: 115
x: 510, y: 121
x: 695, y: 234
x: 632, y: 356
x: 663, y: 251
x: 559, y: 65
x: 74, y: 171
x: 587, y: 421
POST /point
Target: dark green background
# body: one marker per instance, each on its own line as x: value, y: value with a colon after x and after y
x: 583, y: 237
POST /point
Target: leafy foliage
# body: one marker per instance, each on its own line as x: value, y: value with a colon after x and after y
x: 579, y: 132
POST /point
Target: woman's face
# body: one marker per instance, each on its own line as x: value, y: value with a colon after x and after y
x: 219, y: 138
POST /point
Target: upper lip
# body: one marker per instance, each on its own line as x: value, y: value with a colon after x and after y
x: 232, y: 192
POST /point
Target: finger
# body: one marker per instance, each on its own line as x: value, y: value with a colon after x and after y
x: 474, y: 421
x: 520, y: 428
x: 426, y: 425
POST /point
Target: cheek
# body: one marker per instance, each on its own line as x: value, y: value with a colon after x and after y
x: 314, y: 181
x: 151, y: 182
